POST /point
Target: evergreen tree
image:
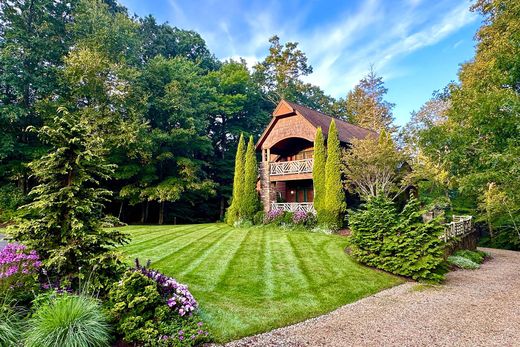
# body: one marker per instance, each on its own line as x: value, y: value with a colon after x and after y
x: 334, y: 203
x: 318, y: 172
x: 365, y: 105
x: 238, y: 184
x: 62, y: 223
x: 250, y: 202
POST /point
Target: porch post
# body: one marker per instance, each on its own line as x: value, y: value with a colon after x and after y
x: 265, y: 180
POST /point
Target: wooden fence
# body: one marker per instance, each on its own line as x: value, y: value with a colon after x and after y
x: 294, y: 206
x: 291, y: 167
x: 460, y: 226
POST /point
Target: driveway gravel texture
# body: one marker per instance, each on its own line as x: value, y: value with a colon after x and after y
x: 472, y: 308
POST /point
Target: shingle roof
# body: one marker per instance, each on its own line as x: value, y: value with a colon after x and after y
x: 346, y: 131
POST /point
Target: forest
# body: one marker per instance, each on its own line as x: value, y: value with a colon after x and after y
x: 147, y: 112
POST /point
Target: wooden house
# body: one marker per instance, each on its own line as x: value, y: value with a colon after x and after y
x: 287, y: 148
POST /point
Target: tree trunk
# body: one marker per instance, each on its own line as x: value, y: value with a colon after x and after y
x: 146, y: 211
x: 161, y: 212
x: 121, y: 210
x: 222, y: 207
x: 143, y: 211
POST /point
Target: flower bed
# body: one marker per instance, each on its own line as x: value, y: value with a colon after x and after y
x: 150, y: 308
x: 143, y: 307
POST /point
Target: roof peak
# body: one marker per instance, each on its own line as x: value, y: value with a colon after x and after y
x: 296, y: 106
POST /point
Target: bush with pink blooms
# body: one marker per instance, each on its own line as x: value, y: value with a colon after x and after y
x: 274, y: 216
x: 150, y: 308
x: 18, y: 271
x: 307, y: 219
x: 290, y: 219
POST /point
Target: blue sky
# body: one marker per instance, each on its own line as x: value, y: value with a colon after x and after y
x: 416, y: 45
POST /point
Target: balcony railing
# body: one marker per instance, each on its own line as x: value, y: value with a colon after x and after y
x: 459, y: 227
x: 294, y: 206
x: 291, y: 167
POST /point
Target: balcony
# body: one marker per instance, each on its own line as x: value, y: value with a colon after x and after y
x: 291, y: 167
x: 306, y: 207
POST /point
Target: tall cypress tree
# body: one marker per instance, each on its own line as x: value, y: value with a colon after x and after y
x: 238, y: 184
x: 335, y: 204
x: 250, y: 202
x: 318, y: 172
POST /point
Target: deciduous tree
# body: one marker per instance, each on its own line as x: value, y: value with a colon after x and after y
x: 374, y: 166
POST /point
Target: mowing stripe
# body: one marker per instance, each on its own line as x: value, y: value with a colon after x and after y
x: 223, y: 260
x: 174, y: 252
x: 166, y: 233
x: 288, y: 276
x: 302, y: 258
x: 185, y: 255
x: 236, y: 259
x: 148, y: 237
x: 155, y: 251
x: 145, y: 233
x: 268, y: 265
x: 150, y: 229
x: 164, y: 238
x: 206, y: 252
x: 319, y: 254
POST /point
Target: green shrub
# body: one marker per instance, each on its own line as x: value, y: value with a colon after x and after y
x: 259, y: 218
x: 110, y: 221
x: 287, y: 218
x: 233, y: 211
x: 250, y: 201
x: 318, y: 172
x: 400, y: 243
x: 307, y: 219
x: 243, y: 223
x: 475, y: 256
x: 68, y: 321
x: 11, y: 325
x: 139, y: 307
x: 334, y: 204
x: 462, y: 262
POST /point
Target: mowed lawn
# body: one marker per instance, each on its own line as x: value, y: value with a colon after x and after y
x: 253, y: 280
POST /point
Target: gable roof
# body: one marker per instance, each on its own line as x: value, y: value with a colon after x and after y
x: 346, y: 131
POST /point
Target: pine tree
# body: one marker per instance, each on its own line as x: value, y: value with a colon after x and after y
x: 250, y: 202
x: 62, y: 223
x: 318, y: 172
x: 334, y: 204
x: 366, y: 106
x: 238, y: 184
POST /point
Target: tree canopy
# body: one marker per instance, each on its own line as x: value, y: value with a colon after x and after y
x: 477, y: 138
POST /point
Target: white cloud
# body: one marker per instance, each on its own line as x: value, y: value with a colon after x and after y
x: 339, y: 61
x: 340, y: 48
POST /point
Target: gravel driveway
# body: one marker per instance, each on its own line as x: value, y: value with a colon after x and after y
x: 473, y: 308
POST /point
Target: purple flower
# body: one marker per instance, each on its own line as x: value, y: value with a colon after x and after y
x: 273, y: 215
x: 176, y: 295
x: 16, y: 260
